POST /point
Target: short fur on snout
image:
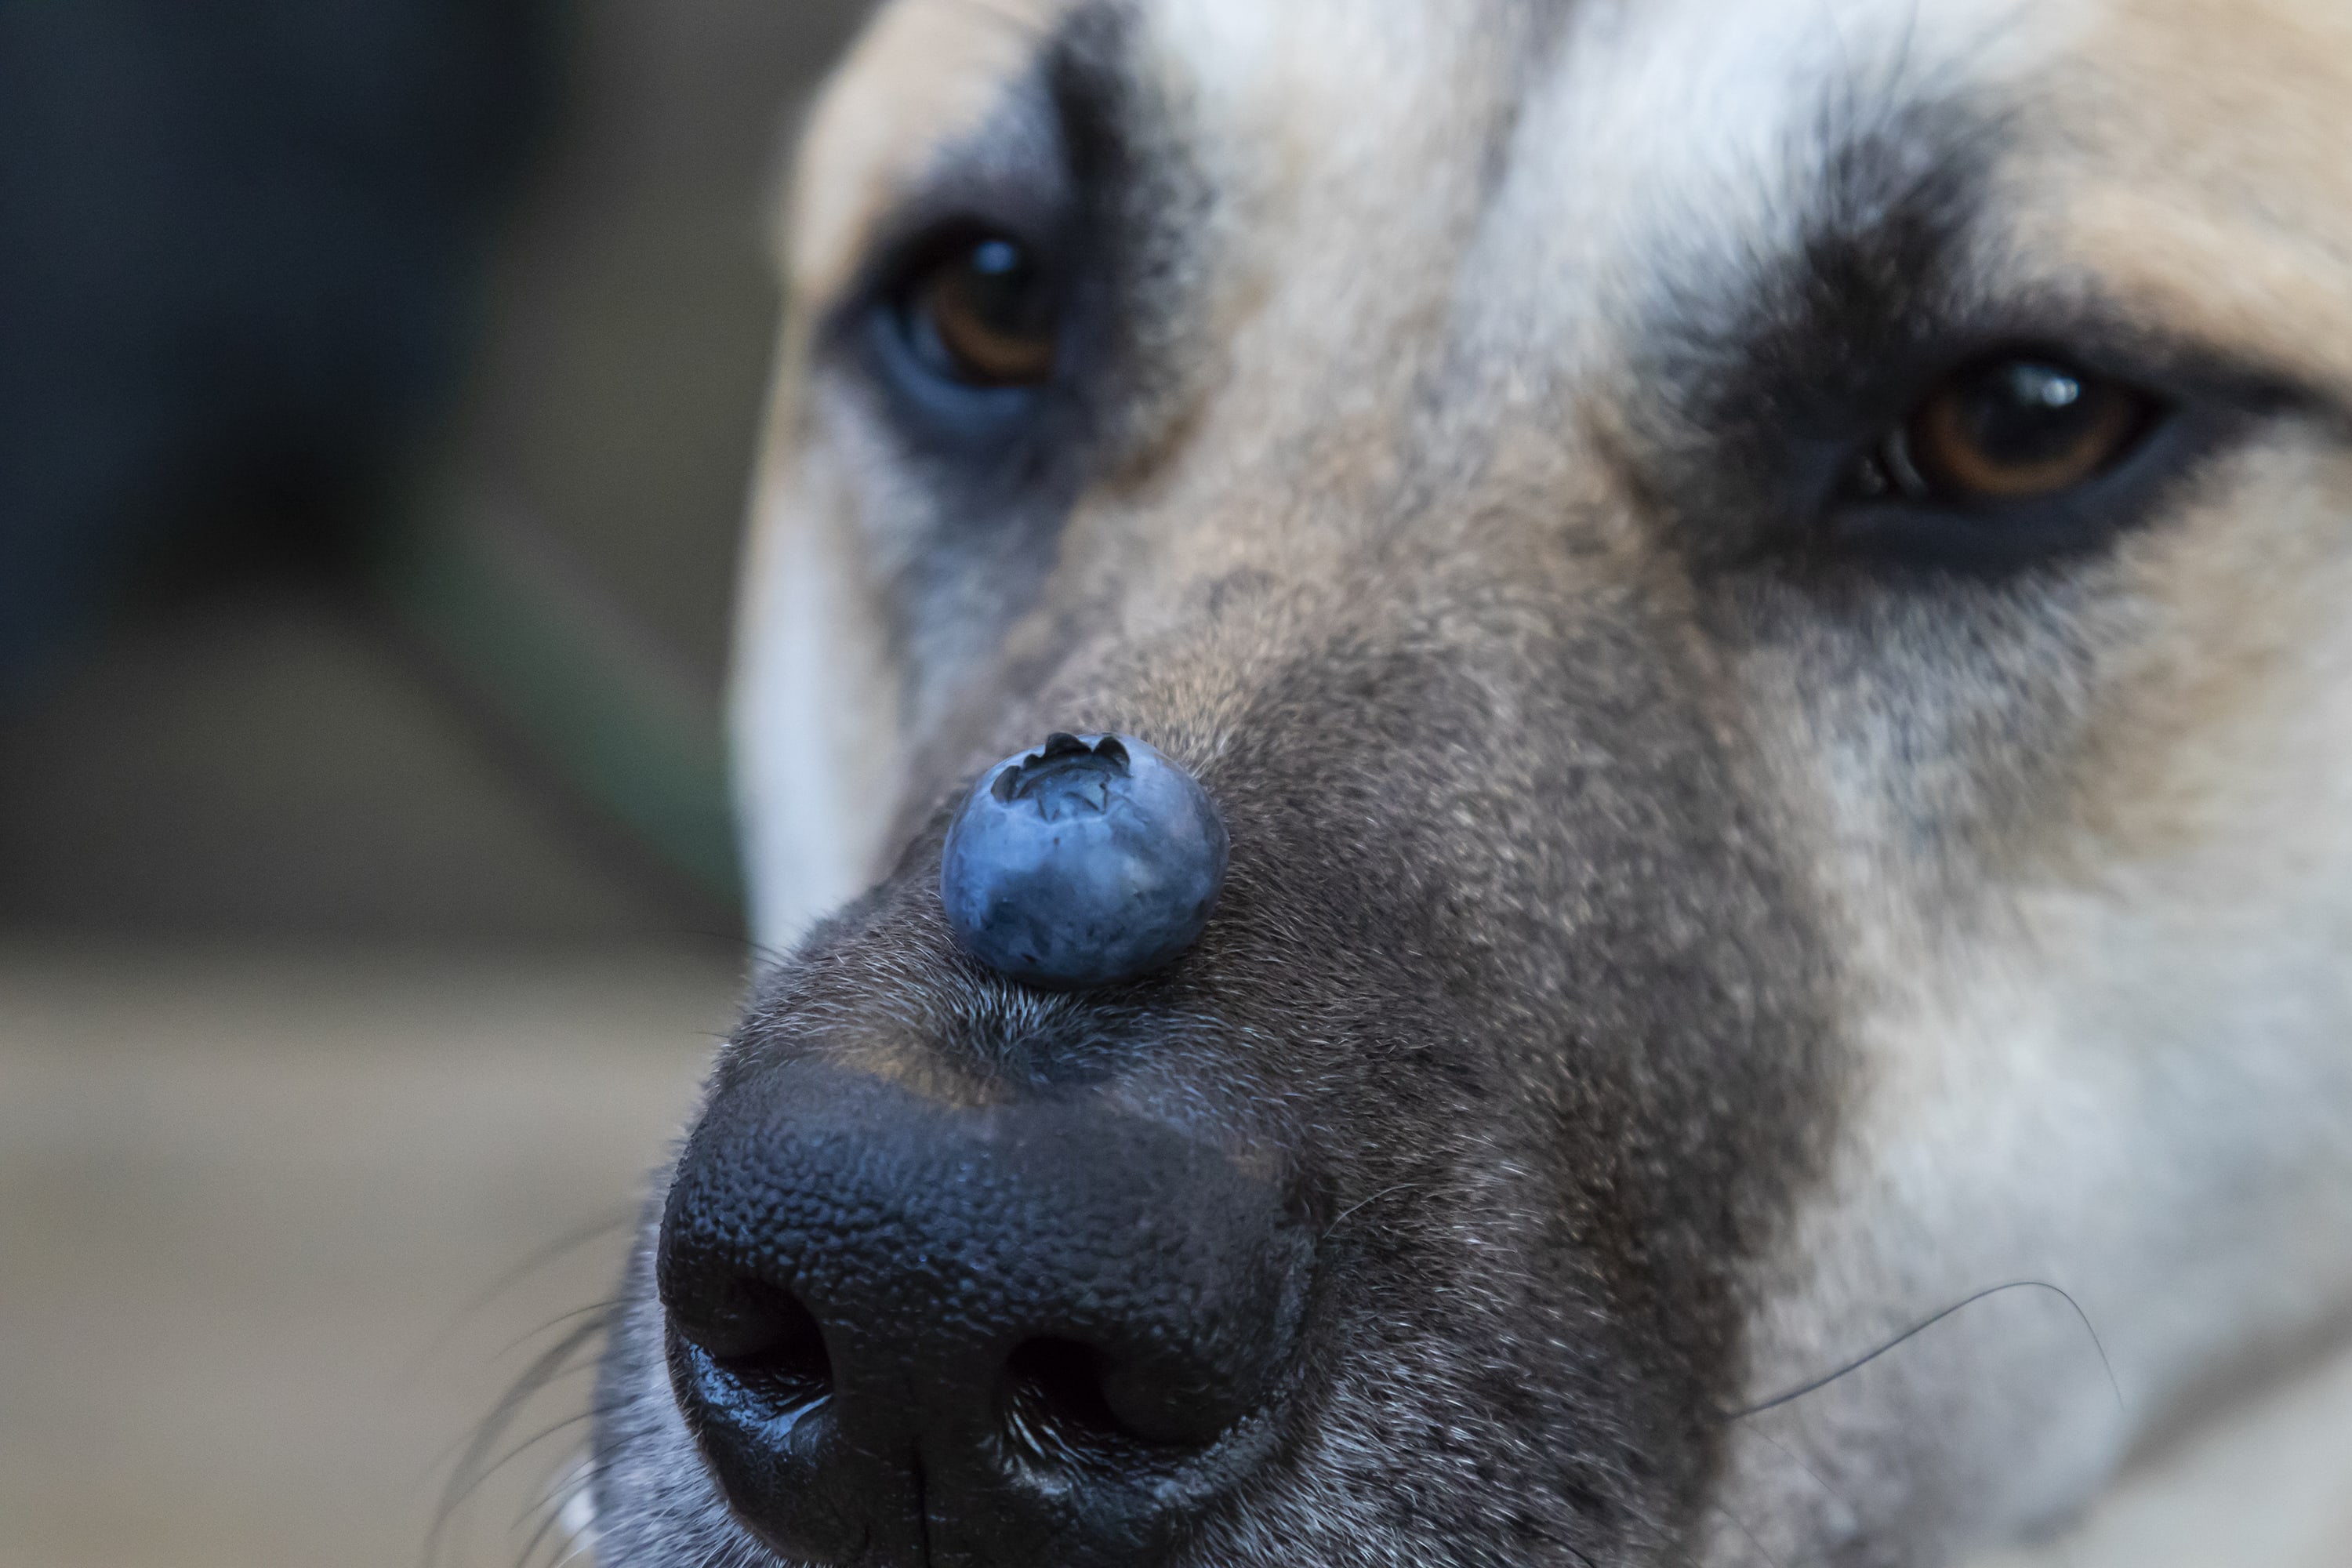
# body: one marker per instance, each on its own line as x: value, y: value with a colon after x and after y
x: 1669, y: 950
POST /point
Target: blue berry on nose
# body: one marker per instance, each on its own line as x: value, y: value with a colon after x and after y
x: 1090, y: 859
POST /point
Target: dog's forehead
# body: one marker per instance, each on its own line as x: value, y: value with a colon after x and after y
x: 2179, y: 149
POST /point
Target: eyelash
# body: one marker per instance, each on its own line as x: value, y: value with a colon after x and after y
x: 1887, y: 472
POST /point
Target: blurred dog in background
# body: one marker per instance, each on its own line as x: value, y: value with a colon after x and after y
x: 1761, y: 590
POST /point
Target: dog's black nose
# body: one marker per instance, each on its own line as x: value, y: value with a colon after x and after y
x: 1090, y: 859
x: 1020, y: 1335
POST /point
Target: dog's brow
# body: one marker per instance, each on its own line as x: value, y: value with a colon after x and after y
x: 1050, y: 161
x: 1862, y: 266
x: 923, y: 98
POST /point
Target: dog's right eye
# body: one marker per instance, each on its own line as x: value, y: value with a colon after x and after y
x: 2011, y: 430
x: 2011, y: 460
x: 981, y: 310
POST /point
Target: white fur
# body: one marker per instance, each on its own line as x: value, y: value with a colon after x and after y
x: 815, y: 708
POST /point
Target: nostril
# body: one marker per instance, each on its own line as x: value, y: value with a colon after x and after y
x: 1064, y: 1399
x: 1053, y: 1403
x: 761, y: 1338
x: 754, y: 1382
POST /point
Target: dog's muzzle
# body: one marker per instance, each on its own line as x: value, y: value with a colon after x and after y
x: 989, y: 1326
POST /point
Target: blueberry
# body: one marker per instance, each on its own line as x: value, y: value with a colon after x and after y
x: 1090, y: 859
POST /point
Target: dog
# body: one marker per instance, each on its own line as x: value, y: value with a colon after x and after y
x: 1759, y: 591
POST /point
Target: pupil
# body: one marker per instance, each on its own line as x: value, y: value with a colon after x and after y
x: 995, y: 258
x: 2038, y: 384
x: 998, y: 287
x: 2023, y: 414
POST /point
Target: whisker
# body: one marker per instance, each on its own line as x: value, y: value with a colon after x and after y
x: 1798, y: 1459
x: 553, y: 1503
x: 532, y: 1442
x: 1742, y: 1523
x: 562, y: 1246
x: 469, y: 1472
x: 1923, y: 1326
x: 556, y: 1376
x: 607, y: 1305
x: 482, y: 1476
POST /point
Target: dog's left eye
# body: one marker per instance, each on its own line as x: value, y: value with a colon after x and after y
x: 982, y: 311
x: 2008, y: 431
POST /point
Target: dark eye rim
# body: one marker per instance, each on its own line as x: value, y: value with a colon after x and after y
x: 1995, y: 535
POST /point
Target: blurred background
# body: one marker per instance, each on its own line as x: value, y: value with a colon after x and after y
x: 378, y: 384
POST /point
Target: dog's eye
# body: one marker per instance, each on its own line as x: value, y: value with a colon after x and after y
x: 983, y: 311
x: 2007, y: 431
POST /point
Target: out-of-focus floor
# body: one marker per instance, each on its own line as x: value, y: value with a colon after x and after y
x: 263, y: 1221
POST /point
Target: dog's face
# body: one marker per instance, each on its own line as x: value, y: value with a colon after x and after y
x: 1762, y: 589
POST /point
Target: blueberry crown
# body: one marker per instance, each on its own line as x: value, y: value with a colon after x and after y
x: 1064, y: 774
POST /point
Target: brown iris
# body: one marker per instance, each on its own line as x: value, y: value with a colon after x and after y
x: 985, y: 314
x: 2017, y: 429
